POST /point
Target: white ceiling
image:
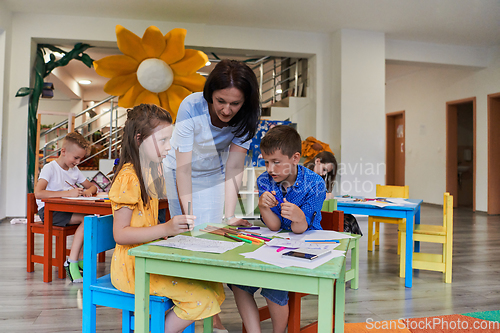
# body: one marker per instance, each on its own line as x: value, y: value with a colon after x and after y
x: 460, y: 22
x: 456, y: 22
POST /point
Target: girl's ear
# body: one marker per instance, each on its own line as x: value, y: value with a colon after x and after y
x: 138, y: 139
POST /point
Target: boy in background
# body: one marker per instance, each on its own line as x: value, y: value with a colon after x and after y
x: 58, y: 179
x: 290, y: 197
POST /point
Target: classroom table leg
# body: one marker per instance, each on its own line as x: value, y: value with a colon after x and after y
x: 325, y: 305
x: 141, y: 296
x: 355, y: 262
x: 417, y: 221
x: 409, y: 250
x: 339, y: 302
x: 208, y: 325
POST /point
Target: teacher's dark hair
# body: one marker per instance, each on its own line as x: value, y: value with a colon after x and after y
x: 232, y: 73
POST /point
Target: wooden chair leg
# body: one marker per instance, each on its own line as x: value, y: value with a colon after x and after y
x: 402, y: 255
x: 399, y: 242
x: 60, y: 255
x: 377, y: 233
x: 370, y: 234
x: 30, y: 249
x: 294, y: 306
x: 102, y: 257
x: 448, y: 255
x: 126, y: 321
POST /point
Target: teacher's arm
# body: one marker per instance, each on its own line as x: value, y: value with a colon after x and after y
x: 184, y: 183
x: 234, y: 174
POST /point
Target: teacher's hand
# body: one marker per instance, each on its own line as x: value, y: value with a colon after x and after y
x: 238, y: 221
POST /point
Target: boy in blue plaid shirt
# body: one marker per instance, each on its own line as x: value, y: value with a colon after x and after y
x: 290, y: 197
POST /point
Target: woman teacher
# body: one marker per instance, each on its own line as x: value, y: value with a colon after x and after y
x: 212, y: 134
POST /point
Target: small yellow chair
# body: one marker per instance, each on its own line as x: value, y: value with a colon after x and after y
x: 386, y: 191
x: 432, y: 234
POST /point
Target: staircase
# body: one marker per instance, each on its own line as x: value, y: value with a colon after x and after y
x: 282, y: 81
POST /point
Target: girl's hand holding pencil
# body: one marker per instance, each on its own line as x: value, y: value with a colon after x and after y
x: 179, y: 224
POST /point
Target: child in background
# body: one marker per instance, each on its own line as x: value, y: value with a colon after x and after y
x: 134, y: 194
x: 325, y: 165
x: 290, y: 197
x: 57, y: 179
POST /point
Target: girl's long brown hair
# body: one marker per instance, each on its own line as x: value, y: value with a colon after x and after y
x: 142, y: 120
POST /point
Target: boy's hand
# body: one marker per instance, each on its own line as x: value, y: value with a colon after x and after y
x: 179, y: 224
x: 292, y: 212
x: 267, y: 200
x: 75, y: 192
x: 87, y: 192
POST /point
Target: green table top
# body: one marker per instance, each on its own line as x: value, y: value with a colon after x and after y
x: 233, y: 259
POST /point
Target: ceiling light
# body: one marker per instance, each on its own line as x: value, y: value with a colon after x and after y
x: 279, y: 91
x: 58, y: 54
x: 208, y: 63
x: 85, y: 82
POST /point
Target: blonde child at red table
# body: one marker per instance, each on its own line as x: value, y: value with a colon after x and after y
x: 58, y: 179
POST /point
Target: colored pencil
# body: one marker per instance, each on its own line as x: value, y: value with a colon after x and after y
x: 238, y: 238
x: 252, y: 239
x: 69, y: 184
x: 280, y: 249
x: 247, y: 228
x: 322, y: 241
x: 257, y: 236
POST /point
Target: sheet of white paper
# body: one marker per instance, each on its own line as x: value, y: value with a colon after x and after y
x: 292, y: 244
x: 315, y: 234
x: 401, y: 201
x: 83, y: 198
x: 198, y: 244
x: 269, y: 255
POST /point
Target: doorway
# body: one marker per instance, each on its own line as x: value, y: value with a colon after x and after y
x: 461, y: 152
x: 395, y: 148
x: 493, y: 154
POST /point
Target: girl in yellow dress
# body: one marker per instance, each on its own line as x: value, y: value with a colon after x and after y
x: 134, y: 199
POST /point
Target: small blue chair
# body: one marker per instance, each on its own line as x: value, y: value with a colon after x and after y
x: 98, y: 237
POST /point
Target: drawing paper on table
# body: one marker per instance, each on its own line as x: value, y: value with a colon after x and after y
x: 293, y: 244
x: 315, y: 234
x: 269, y: 255
x: 83, y: 198
x: 198, y: 244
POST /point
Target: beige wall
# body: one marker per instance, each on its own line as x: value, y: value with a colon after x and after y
x: 5, y: 42
x: 423, y: 94
x: 30, y: 27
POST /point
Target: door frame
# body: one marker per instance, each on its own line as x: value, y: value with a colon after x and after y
x: 389, y: 145
x: 452, y: 146
x: 493, y: 158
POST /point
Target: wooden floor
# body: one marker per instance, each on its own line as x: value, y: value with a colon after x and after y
x: 27, y: 304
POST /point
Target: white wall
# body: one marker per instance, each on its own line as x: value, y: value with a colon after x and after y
x: 29, y: 27
x: 423, y: 95
x: 362, y: 76
x: 5, y: 44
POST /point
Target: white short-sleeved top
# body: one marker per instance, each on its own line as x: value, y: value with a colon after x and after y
x: 194, y: 132
x: 57, y: 177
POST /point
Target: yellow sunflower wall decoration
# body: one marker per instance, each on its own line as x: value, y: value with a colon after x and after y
x: 153, y: 69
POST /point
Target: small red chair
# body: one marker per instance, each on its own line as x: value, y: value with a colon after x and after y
x: 329, y: 221
x: 59, y: 232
